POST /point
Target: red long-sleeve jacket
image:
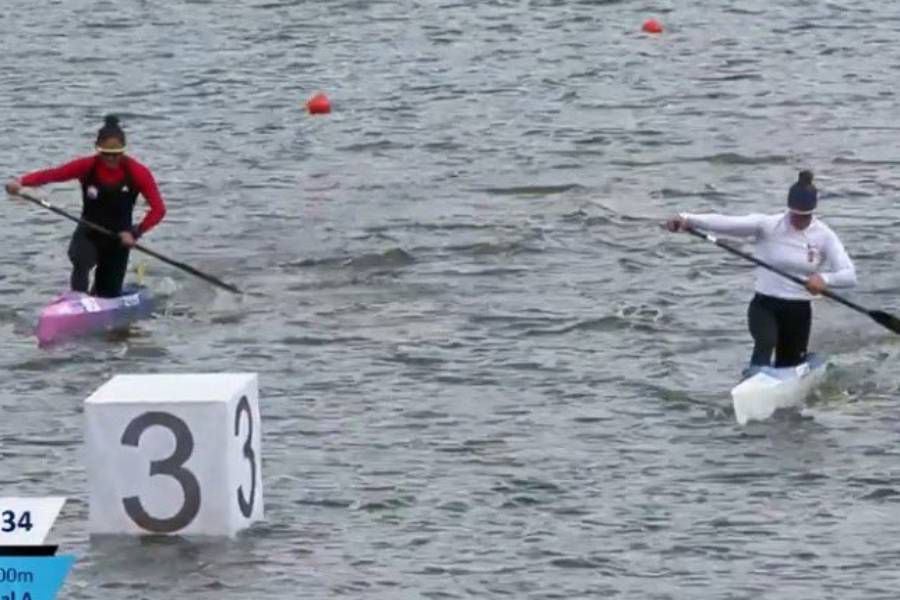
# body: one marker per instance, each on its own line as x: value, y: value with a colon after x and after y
x: 81, y: 167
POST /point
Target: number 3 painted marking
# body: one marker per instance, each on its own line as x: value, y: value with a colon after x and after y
x: 172, y: 466
x: 245, y: 505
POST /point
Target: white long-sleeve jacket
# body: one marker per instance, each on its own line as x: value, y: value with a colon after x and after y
x: 816, y: 249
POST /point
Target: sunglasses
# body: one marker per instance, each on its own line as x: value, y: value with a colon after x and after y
x: 111, y: 151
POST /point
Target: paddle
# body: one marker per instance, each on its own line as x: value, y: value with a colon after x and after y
x: 882, y: 318
x: 180, y: 265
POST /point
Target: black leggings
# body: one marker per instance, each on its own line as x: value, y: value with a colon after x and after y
x: 779, y: 325
x: 88, y: 250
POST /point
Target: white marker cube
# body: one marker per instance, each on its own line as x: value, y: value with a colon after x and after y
x: 174, y: 454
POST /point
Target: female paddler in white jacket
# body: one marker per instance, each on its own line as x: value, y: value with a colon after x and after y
x: 780, y: 315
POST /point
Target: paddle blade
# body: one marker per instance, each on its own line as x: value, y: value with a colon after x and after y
x: 888, y: 320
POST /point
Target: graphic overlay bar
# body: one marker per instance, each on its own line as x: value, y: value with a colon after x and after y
x: 30, y: 569
x: 33, y: 578
x: 43, y: 550
x: 27, y: 521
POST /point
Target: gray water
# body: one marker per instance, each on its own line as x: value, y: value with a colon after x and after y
x: 485, y: 371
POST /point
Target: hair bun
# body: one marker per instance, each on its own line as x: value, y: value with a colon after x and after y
x: 111, y: 128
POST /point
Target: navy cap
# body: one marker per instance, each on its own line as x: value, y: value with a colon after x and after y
x: 803, y: 196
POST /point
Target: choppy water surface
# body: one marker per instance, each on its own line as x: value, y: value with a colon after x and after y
x: 485, y: 371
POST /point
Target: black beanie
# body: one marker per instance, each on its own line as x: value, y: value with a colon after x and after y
x: 803, y: 196
x: 111, y: 128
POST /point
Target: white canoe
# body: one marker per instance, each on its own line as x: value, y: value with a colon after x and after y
x: 768, y: 389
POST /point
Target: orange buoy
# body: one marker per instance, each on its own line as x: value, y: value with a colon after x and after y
x: 318, y: 104
x: 652, y: 26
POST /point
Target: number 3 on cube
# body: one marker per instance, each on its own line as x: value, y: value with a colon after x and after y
x: 174, y: 454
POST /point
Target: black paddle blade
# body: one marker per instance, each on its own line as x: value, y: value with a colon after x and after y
x: 888, y: 320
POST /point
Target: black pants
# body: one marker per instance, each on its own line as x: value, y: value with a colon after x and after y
x: 779, y: 325
x: 88, y: 250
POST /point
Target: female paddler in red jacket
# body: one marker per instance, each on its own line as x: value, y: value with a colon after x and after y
x: 110, y: 185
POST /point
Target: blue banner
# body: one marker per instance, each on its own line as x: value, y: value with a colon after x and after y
x: 33, y: 578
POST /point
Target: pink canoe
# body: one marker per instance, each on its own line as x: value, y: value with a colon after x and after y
x: 76, y: 313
